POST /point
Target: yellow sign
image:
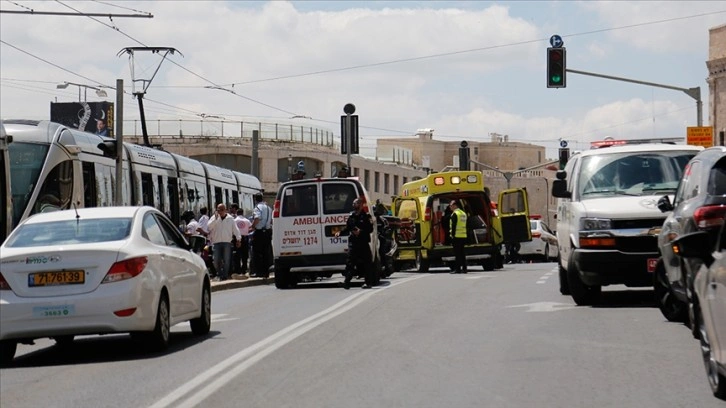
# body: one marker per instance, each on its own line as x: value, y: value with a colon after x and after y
x: 700, y: 136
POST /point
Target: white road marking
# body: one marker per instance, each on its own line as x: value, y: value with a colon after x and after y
x: 546, y: 306
x: 192, y: 393
x: 216, y: 318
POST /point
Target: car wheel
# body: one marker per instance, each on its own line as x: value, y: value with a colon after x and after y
x: 564, y: 286
x: 582, y: 294
x: 7, y: 351
x: 715, y: 378
x: 201, y: 325
x: 158, y: 339
x: 282, y: 277
x: 422, y: 264
x: 64, y: 341
x: 672, y: 309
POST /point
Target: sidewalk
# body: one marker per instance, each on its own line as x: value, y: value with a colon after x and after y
x: 242, y: 281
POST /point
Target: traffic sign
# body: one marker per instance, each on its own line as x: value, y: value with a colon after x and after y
x: 556, y: 41
x: 700, y: 136
x: 563, y: 143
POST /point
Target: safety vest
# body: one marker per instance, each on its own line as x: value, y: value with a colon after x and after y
x: 460, y: 223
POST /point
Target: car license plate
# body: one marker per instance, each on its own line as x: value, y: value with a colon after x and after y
x: 56, y: 278
x: 652, y: 262
x: 54, y: 311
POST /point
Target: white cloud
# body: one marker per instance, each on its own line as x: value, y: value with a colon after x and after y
x: 499, y: 88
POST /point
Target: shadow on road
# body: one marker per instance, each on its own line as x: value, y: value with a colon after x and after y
x: 102, y: 349
x: 626, y: 298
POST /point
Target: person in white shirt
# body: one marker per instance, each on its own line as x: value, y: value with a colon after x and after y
x: 222, y: 229
x: 242, y: 253
x: 261, y: 238
x: 203, y: 221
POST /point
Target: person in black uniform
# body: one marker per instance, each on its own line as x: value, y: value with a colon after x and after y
x: 360, y: 227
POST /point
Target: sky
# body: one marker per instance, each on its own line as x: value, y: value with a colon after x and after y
x: 465, y: 69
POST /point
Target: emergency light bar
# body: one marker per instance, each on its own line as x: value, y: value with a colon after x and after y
x: 612, y: 142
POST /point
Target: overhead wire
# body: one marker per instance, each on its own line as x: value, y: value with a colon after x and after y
x: 336, y: 69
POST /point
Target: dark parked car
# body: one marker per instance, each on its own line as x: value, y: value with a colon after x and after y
x: 709, y: 300
x: 699, y: 205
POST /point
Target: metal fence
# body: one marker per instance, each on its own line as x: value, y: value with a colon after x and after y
x: 239, y: 129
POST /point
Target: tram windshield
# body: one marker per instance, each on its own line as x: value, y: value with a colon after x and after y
x: 26, y: 162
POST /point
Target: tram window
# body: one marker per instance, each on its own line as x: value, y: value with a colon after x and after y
x: 147, y: 189
x: 218, y: 197
x: 89, y: 185
x: 162, y: 203
x: 26, y: 162
x: 57, y: 190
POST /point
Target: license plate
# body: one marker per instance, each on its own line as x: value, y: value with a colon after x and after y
x: 56, y: 278
x: 652, y: 262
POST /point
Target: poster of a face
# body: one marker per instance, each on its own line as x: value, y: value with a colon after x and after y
x: 93, y: 117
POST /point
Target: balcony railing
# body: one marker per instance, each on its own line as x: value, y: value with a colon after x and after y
x: 179, y: 128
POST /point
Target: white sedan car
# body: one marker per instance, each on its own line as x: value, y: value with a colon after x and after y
x: 99, y: 271
x: 544, y: 241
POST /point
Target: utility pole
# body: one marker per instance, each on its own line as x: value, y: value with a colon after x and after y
x: 694, y: 93
x: 119, y: 142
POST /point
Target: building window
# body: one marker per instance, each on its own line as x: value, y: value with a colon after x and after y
x: 386, y: 182
x: 366, y: 179
x: 405, y: 180
x: 377, y: 182
x: 395, y: 185
x: 539, y: 157
x: 355, y: 171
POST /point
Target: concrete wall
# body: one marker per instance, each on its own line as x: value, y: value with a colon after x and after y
x: 716, y: 65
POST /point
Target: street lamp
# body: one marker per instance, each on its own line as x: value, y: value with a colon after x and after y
x: 100, y: 92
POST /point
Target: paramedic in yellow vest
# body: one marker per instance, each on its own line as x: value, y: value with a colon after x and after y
x: 458, y: 236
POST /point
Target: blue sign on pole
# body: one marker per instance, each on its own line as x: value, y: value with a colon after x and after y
x: 556, y: 41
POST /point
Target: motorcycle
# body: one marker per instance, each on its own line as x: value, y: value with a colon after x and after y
x: 387, y: 246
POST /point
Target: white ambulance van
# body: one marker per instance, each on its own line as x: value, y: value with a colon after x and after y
x: 306, y: 215
x: 607, y: 215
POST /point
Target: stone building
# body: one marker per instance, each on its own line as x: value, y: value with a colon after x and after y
x: 716, y: 65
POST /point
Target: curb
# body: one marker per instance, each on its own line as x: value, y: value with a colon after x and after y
x: 234, y: 283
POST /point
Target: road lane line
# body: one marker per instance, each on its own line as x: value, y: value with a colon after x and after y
x: 245, y: 358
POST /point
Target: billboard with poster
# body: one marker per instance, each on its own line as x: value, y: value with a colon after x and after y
x: 93, y: 117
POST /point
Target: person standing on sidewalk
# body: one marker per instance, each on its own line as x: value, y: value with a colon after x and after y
x: 222, y: 229
x: 360, y: 227
x: 261, y: 238
x: 243, y: 251
x: 458, y: 236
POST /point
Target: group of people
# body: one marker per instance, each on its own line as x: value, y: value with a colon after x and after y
x: 236, y: 240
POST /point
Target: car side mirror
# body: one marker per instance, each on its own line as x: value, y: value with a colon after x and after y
x: 664, y: 204
x: 559, y: 189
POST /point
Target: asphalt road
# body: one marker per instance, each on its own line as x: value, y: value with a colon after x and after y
x: 486, y: 339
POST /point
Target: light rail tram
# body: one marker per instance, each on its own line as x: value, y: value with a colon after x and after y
x: 48, y: 166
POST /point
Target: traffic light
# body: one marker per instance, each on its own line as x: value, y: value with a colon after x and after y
x: 564, y: 157
x: 464, y: 156
x: 108, y: 147
x: 556, y: 67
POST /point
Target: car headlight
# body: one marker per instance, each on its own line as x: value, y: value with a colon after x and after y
x: 594, y: 224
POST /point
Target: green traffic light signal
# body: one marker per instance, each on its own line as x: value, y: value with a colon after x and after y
x: 556, y: 67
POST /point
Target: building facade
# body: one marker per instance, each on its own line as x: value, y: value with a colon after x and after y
x: 716, y: 65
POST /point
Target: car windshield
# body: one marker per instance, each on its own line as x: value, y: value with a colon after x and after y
x: 70, y: 232
x: 635, y: 174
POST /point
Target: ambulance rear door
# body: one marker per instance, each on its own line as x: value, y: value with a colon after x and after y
x: 514, y: 215
x: 297, y: 231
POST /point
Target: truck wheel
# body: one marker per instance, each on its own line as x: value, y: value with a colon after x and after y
x: 7, y: 351
x: 488, y: 264
x: 582, y: 294
x: 282, y: 277
x: 422, y: 264
x: 671, y: 307
x: 564, y: 286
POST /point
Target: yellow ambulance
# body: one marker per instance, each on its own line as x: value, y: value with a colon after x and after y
x: 423, y: 236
